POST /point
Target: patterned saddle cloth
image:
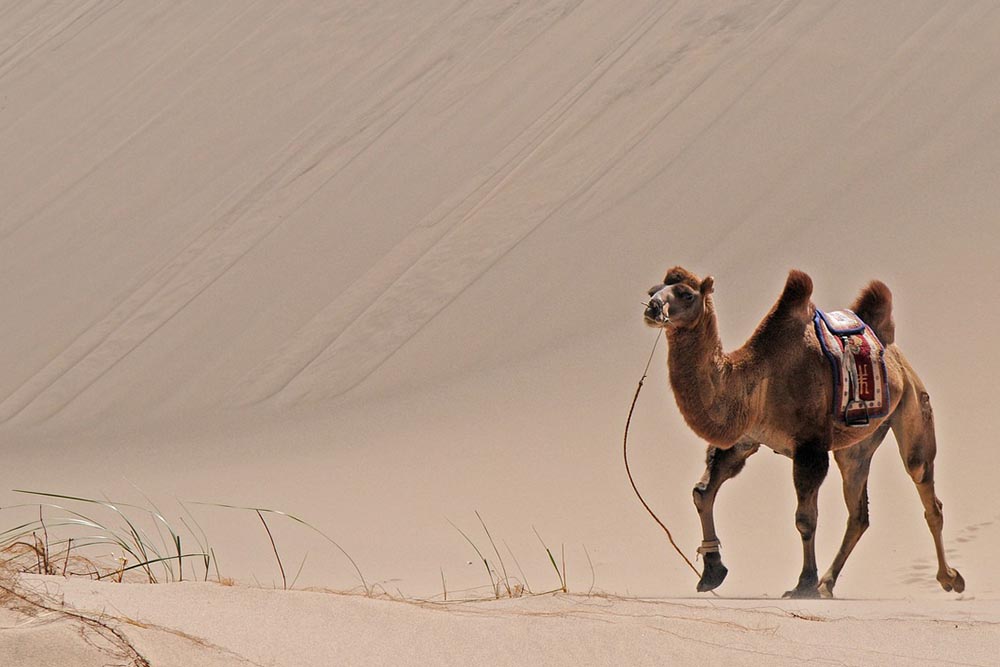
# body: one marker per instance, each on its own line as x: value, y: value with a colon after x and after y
x: 860, y: 385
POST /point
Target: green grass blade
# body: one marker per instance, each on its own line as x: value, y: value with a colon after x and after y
x: 364, y: 584
x: 489, y: 571
x: 503, y: 568
x: 145, y: 565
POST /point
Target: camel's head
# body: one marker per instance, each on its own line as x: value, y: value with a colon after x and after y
x: 679, y: 301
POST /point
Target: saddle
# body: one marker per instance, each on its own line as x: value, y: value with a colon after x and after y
x: 856, y: 355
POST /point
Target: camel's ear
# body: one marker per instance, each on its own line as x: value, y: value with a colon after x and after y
x: 707, y: 286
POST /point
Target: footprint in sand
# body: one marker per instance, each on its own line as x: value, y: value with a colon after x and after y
x: 916, y: 572
x: 970, y: 532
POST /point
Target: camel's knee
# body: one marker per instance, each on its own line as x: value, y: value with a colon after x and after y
x: 701, y: 497
x: 858, y: 523
x: 920, y: 467
x: 917, y: 471
x: 806, y: 524
x: 697, y: 496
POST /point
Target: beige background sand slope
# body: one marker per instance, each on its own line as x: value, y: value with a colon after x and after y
x: 380, y: 264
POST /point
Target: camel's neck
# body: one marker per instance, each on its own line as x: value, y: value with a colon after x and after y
x: 711, y: 396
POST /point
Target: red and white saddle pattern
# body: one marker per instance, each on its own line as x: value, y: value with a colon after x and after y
x: 860, y: 384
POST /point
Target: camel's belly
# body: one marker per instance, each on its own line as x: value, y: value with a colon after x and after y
x: 782, y: 443
x: 773, y: 439
x: 847, y: 436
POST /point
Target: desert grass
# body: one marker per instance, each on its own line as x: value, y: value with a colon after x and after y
x: 71, y: 535
x: 368, y: 589
x: 65, y: 540
x: 79, y: 536
x: 501, y: 583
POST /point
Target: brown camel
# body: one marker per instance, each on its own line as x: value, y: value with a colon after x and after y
x: 777, y: 390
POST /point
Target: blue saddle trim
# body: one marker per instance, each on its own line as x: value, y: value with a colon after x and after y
x: 832, y: 357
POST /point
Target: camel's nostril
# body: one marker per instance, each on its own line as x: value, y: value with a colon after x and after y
x: 654, y: 311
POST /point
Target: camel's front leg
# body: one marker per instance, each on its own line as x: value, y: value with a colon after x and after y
x: 720, y: 465
x: 809, y: 467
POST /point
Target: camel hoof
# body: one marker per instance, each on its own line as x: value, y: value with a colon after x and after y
x: 825, y: 590
x: 806, y: 593
x: 713, y: 574
x: 952, y: 581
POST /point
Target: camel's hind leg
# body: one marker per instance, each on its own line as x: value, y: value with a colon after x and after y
x: 854, y: 463
x: 913, y: 426
x: 720, y: 465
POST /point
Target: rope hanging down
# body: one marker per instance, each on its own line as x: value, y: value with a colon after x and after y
x: 629, y: 471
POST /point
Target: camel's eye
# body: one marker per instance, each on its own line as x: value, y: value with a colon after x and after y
x: 688, y: 296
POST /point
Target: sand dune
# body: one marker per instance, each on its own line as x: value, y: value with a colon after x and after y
x: 201, y: 624
x: 379, y: 265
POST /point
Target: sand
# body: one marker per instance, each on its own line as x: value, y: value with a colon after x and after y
x: 379, y: 265
x: 168, y: 625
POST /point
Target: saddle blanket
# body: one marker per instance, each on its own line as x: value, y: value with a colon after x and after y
x: 856, y: 355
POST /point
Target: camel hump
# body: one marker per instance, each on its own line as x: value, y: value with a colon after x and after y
x: 874, y: 306
x: 798, y: 289
x: 788, y: 318
x: 793, y: 304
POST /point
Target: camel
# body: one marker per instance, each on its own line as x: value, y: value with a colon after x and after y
x: 776, y: 390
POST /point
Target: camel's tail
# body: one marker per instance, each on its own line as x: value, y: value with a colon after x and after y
x: 874, y: 306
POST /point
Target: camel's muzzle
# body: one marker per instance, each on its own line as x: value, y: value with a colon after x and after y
x: 654, y: 314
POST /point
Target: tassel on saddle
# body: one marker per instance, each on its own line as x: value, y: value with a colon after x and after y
x: 856, y: 411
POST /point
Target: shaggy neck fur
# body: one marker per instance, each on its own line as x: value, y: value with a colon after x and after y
x: 702, y: 376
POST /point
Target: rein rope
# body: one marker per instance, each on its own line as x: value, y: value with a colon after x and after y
x: 629, y: 471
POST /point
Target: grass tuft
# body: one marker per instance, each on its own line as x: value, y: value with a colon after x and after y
x: 114, y: 541
x: 88, y: 526
x: 559, y: 573
x: 31, y: 548
x: 502, y: 585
